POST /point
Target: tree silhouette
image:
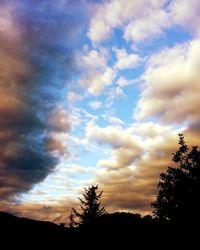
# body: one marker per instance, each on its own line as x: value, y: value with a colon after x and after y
x: 178, y: 198
x: 90, y: 208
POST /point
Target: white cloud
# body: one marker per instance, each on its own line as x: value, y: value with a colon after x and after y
x: 73, y: 97
x: 95, y: 59
x: 143, y: 19
x: 125, y: 60
x: 171, y: 85
x: 147, y: 27
x: 95, y: 105
x: 186, y: 14
x: 95, y: 82
x: 122, y: 82
x: 114, y: 93
x: 96, y: 74
x: 109, y: 134
x: 73, y: 169
x: 109, y: 15
x: 75, y: 118
x: 115, y: 120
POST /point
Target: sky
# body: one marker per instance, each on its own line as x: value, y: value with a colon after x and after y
x: 94, y: 92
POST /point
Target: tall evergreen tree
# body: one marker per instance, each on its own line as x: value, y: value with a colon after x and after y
x: 178, y: 198
x: 90, y: 208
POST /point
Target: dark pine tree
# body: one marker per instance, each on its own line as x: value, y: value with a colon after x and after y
x: 178, y: 198
x: 91, y: 208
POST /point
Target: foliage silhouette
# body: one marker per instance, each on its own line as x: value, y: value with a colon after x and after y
x: 178, y: 198
x: 91, y: 208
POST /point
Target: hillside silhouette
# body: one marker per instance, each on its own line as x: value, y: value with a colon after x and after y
x: 22, y: 231
x: 117, y: 229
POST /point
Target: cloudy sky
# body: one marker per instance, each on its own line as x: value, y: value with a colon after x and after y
x: 94, y: 92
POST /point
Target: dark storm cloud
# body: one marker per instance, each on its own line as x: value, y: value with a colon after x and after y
x: 37, y: 40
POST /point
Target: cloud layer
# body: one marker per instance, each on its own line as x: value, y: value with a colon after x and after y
x: 36, y: 60
x: 171, y: 85
x: 129, y: 96
x: 142, y: 20
x: 137, y: 156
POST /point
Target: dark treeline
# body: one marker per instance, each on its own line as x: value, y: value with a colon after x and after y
x: 175, y: 220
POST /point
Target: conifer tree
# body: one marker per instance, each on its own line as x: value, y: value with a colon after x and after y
x: 90, y: 208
